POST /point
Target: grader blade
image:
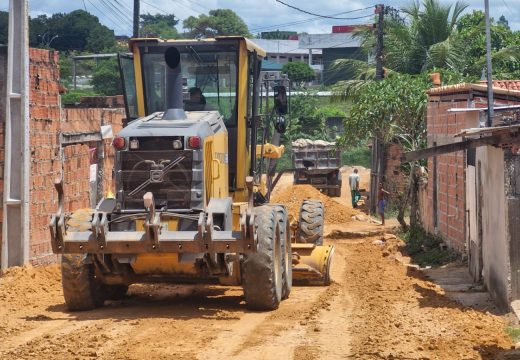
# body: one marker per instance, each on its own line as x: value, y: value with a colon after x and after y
x: 311, y: 264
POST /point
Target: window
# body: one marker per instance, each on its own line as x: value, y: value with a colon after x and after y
x: 210, y: 70
x: 126, y: 65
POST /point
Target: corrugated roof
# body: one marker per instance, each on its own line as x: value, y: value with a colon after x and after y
x: 463, y: 87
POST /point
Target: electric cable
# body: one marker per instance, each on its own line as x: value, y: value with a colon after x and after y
x: 329, y: 17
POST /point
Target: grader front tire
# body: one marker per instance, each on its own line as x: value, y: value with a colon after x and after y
x: 311, y: 222
x: 262, y: 270
x: 81, y: 289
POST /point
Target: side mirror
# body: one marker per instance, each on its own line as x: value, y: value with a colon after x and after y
x: 280, y: 99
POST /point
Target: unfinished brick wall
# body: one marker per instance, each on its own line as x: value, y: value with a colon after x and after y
x: 47, y: 120
x: 44, y: 112
x: 76, y: 157
x: 450, y: 218
x: 395, y: 179
x: 445, y: 213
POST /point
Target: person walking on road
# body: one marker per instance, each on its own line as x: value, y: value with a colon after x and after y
x: 381, y: 202
x: 353, y: 181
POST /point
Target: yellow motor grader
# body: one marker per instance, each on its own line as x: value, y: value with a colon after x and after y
x: 193, y: 170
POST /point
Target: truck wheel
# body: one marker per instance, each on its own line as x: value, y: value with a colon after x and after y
x: 311, y: 222
x: 81, y: 289
x: 281, y: 214
x: 262, y: 270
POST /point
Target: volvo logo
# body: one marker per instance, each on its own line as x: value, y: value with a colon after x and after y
x: 156, y: 176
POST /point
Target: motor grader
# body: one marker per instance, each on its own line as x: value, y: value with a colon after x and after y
x: 192, y: 184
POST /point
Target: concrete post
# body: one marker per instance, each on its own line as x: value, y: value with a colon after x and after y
x: 15, y: 221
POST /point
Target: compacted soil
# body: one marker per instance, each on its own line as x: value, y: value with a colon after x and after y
x: 376, y: 308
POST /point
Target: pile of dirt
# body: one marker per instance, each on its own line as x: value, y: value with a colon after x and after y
x: 293, y: 196
x: 402, y: 315
x: 26, y: 285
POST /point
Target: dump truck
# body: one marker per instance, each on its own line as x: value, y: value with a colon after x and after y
x: 318, y: 163
x: 193, y: 170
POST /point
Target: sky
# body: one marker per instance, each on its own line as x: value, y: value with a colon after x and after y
x: 259, y: 15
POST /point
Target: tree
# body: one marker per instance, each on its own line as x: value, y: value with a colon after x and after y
x: 77, y: 30
x: 502, y: 21
x: 106, y: 79
x: 298, y: 72
x: 218, y: 22
x: 162, y: 26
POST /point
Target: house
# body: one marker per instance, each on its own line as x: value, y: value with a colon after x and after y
x: 472, y: 196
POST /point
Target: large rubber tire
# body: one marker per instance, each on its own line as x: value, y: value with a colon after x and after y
x: 310, y: 229
x: 285, y: 239
x: 81, y: 289
x: 262, y: 270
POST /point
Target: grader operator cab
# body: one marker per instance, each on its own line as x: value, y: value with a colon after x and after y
x: 193, y: 169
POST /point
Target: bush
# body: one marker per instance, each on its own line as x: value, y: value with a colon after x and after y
x: 73, y: 97
x: 426, y: 249
x: 356, y: 156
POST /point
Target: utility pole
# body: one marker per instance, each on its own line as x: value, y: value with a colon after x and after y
x: 136, y: 19
x: 490, y: 101
x: 380, y: 9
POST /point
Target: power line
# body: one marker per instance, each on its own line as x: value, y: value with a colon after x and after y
x: 292, y: 23
x: 105, y: 15
x: 329, y: 17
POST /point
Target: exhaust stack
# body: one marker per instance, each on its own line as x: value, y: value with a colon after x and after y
x: 174, y: 104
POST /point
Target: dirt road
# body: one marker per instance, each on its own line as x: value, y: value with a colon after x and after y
x: 377, y: 308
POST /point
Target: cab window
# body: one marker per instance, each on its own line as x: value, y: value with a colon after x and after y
x: 210, y: 76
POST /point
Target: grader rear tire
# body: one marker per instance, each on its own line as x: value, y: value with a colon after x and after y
x: 281, y: 213
x: 262, y: 270
x: 81, y: 289
x: 310, y: 229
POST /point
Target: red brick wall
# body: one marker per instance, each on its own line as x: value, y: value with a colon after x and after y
x: 451, y: 215
x: 451, y: 182
x: 44, y: 144
x: 395, y: 179
x: 47, y: 120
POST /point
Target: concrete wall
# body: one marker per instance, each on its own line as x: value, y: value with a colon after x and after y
x: 495, y: 244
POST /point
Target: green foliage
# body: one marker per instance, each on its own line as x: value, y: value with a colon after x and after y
x: 77, y: 30
x: 385, y: 108
x: 426, y: 249
x: 299, y: 72
x: 504, y: 47
x: 514, y: 333
x: 218, y: 22
x: 356, y: 156
x: 106, y: 79
x: 73, y: 97
x: 308, y: 116
x: 159, y: 25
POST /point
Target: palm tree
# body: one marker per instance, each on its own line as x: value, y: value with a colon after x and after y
x: 423, y: 42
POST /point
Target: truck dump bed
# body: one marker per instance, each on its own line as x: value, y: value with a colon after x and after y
x: 317, y: 162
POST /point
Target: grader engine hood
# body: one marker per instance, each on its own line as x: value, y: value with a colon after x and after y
x: 165, y: 157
